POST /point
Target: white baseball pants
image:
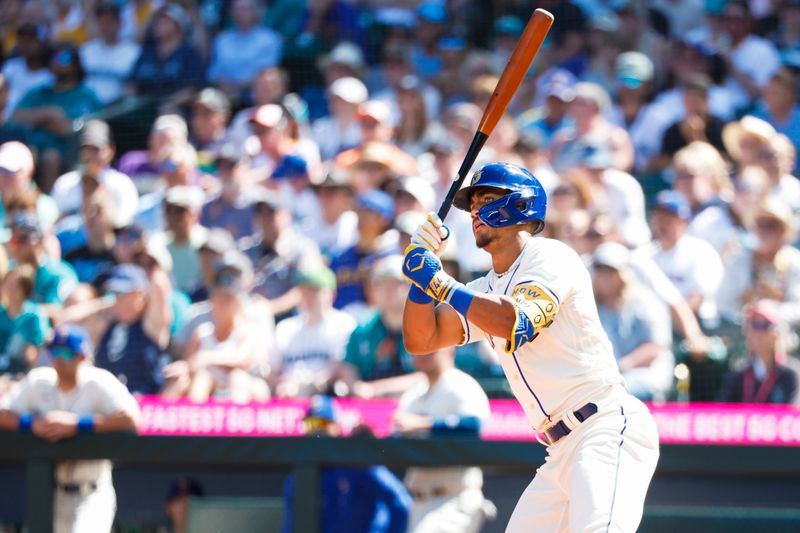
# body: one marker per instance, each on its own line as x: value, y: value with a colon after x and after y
x: 90, y: 513
x: 595, y: 479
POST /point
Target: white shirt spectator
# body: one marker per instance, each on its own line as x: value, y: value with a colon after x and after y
x: 237, y: 57
x: 68, y: 194
x: 646, y: 131
x: 757, y: 58
x: 309, y: 353
x: 695, y: 268
x: 788, y: 191
x: 107, y: 67
x: 332, y: 138
x: 21, y: 80
x: 625, y: 206
x: 337, y: 236
x: 722, y: 103
x: 715, y: 226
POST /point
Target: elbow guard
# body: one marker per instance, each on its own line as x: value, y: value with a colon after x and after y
x: 535, y: 310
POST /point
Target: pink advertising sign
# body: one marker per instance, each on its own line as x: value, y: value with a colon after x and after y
x: 677, y: 423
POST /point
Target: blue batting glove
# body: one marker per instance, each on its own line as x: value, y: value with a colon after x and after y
x: 420, y: 265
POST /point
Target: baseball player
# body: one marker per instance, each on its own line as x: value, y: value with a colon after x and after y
x: 57, y: 403
x: 536, y: 307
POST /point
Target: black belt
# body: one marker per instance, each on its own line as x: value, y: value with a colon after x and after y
x: 74, y: 488
x: 561, y: 430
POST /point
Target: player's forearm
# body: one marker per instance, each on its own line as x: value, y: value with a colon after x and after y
x: 120, y: 421
x: 420, y: 328
x: 493, y: 314
x: 9, y: 420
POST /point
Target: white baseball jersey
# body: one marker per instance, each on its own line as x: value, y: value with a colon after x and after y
x: 97, y: 392
x: 570, y: 362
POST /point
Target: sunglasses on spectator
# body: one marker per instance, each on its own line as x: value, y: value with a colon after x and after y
x: 769, y: 225
x: 263, y: 208
x: 760, y: 325
x: 128, y: 235
x: 172, y: 209
x: 62, y: 353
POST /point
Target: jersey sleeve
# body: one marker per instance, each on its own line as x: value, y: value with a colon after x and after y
x: 473, y: 333
x: 537, y: 307
x: 115, y: 396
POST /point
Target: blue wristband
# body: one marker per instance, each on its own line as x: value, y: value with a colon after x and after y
x: 418, y: 296
x: 25, y: 423
x: 461, y: 298
x: 86, y: 424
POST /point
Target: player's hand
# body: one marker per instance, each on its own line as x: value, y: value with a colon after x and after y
x: 56, y: 425
x: 432, y: 234
x: 420, y: 266
x: 410, y: 423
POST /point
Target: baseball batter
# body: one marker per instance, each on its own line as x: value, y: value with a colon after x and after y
x: 536, y: 307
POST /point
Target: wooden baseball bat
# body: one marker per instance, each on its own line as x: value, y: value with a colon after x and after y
x: 518, y: 64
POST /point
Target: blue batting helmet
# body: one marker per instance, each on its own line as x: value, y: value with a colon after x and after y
x: 525, y: 202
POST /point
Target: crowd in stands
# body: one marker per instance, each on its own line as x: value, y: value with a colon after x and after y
x: 219, y: 191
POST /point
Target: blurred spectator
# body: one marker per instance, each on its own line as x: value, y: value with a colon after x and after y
x: 690, y: 263
x: 371, y: 500
x: 291, y: 180
x: 28, y: 69
x: 745, y: 139
x: 338, y: 227
x: 143, y: 166
x: 376, y: 240
x: 588, y: 109
x: 425, y: 56
x: 751, y: 60
x: 9, y: 131
x: 177, y: 502
x: 340, y: 131
x: 96, y: 151
x: 769, y: 271
x: 24, y: 326
x: 108, y: 58
x: 211, y: 111
x: 54, y: 279
x: 415, y: 129
x: 69, y: 22
x: 412, y: 193
x: 614, y: 192
x: 778, y: 104
x: 448, y: 402
x: 182, y: 206
x: 135, y: 330
x: 271, y: 127
x: 16, y: 182
x: 269, y: 86
x: 240, y: 52
x: 637, y: 323
x: 376, y: 363
x: 533, y: 155
x: 777, y: 159
x: 49, y: 111
x: 227, y: 354
x: 59, y: 402
x: 9, y: 18
x: 278, y: 251
x: 396, y: 69
x: 698, y: 124
x: 311, y: 344
x: 547, y: 120
x: 218, y: 242
x: 767, y: 376
x: 232, y: 207
x: 169, y: 66
x: 91, y: 251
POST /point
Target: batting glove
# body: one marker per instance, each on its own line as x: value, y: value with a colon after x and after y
x: 432, y: 234
x: 422, y: 268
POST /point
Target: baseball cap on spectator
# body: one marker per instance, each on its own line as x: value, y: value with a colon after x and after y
x: 268, y: 116
x: 218, y: 241
x: 155, y: 247
x: 376, y: 110
x: 432, y: 12
x: 16, y: 157
x: 178, y: 15
x: 530, y: 141
x: 559, y: 84
x: 376, y: 153
x: 409, y: 221
x: 291, y: 166
x: 95, y: 133
x: 390, y: 267
x: 26, y: 226
x: 613, y: 255
x: 674, y: 203
x: 185, y: 196
x: 231, y: 272
x: 420, y: 189
x: 594, y: 93
x: 768, y: 310
x: 334, y: 177
x: 509, y: 25
x: 774, y: 208
x: 346, y: 54
x: 604, y: 21
x: 317, y: 276
x: 349, y: 89
x: 127, y: 278
x: 378, y: 202
x: 230, y: 153
x: 410, y: 82
x: 463, y: 115
x: 68, y: 341
x: 748, y: 126
x: 322, y: 408
x: 171, y: 122
x: 699, y: 83
x: 214, y: 100
x: 634, y: 69
x: 452, y: 43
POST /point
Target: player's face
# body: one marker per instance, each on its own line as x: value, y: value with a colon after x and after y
x: 484, y: 235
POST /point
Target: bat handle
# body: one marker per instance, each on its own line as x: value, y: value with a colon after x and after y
x: 472, y: 154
